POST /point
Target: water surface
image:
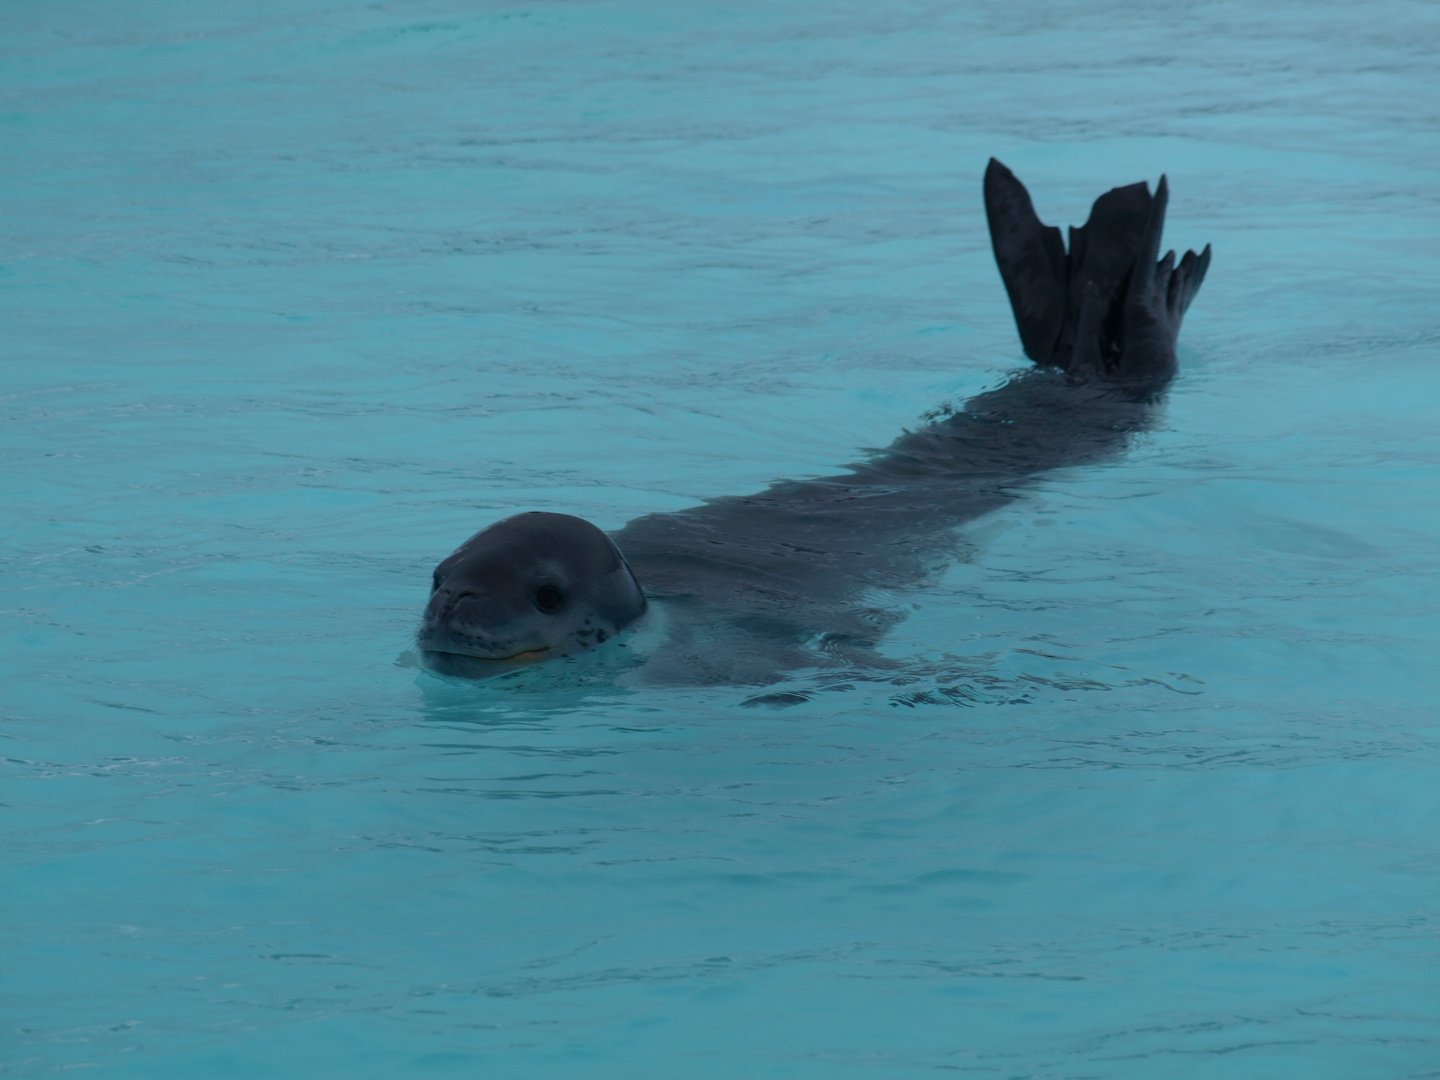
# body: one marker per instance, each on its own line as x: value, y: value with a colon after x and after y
x: 296, y: 297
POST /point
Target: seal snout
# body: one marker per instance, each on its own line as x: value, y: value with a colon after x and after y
x: 468, y: 622
x: 463, y: 607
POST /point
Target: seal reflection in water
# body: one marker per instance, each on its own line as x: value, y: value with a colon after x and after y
x: 797, y: 575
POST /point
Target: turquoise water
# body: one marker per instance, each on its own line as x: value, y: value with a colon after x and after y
x: 296, y: 297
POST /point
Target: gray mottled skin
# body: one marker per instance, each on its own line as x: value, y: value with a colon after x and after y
x: 797, y: 574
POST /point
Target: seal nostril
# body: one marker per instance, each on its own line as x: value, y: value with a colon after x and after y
x: 549, y: 599
x: 452, y: 604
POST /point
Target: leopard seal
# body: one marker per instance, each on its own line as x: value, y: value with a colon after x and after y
x: 804, y: 573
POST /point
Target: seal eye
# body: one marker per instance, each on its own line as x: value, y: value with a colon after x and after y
x: 548, y: 599
x: 435, y: 582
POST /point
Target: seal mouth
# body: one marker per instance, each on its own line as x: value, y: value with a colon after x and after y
x: 525, y: 656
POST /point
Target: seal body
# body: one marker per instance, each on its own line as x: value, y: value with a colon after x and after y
x: 813, y: 572
x: 527, y: 588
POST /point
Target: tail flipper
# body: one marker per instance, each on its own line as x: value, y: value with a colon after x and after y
x: 1106, y: 309
x: 1155, y: 300
x: 1031, y: 257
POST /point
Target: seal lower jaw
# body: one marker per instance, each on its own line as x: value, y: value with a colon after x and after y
x: 527, y: 656
x: 471, y: 666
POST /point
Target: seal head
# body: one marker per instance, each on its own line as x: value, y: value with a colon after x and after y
x: 531, y: 587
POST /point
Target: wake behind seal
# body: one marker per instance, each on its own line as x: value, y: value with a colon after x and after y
x: 788, y: 577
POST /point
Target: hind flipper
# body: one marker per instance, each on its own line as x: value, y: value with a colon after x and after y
x: 1110, y: 310
x: 1185, y: 283
x: 1102, y: 251
x: 1087, y: 356
x: 1031, y: 257
x: 1156, y: 300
